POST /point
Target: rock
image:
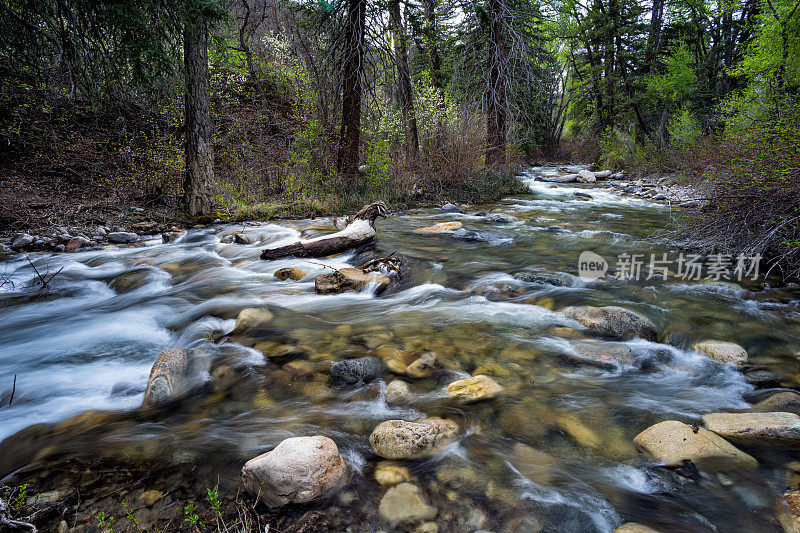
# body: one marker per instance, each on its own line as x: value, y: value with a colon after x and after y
x: 400, y: 439
x: 389, y: 473
x: 604, y: 355
x: 724, y: 352
x: 75, y: 243
x: 292, y: 273
x: 427, y: 527
x: 347, y: 279
x: 241, y: 238
x: 405, y: 504
x: 397, y: 392
x: 578, y: 431
x: 451, y: 208
x: 544, y: 278
x: 122, y: 237
x: 355, y: 370
x: 473, y: 389
x: 783, y: 402
x: 788, y: 511
x: 500, y: 219
x: 633, y: 527
x: 586, y: 176
x: 63, y: 527
x: 249, y: 318
x: 441, y: 227
x: 60, y: 248
x: 613, y: 321
x: 298, y: 470
x: 21, y: 240
x: 660, y: 197
x: 564, y: 178
x: 672, y: 442
x: 691, y: 204
x: 167, y: 377
x: 422, y: 367
x: 603, y: 174
x: 763, y: 378
x: 582, y: 195
x: 533, y: 464
x: 754, y: 427
x: 149, y: 497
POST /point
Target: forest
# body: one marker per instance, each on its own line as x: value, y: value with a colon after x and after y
x: 267, y: 108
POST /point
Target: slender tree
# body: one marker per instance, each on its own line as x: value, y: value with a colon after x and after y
x: 350, y: 131
x: 405, y: 94
x: 497, y: 79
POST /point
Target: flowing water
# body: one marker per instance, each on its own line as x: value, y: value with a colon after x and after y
x: 555, y: 451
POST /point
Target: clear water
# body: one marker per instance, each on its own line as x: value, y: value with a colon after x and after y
x: 88, y: 340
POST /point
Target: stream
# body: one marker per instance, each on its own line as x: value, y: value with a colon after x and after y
x: 554, y: 452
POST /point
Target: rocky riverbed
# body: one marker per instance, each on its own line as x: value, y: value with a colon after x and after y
x: 458, y: 376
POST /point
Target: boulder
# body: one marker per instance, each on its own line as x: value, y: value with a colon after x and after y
x: 292, y: 273
x: 500, y: 219
x: 724, y: 352
x: 601, y: 354
x: 241, y: 238
x: 122, y: 237
x: 451, y: 208
x: 544, y: 278
x: 347, y: 279
x: 355, y: 370
x: 763, y: 378
x: 755, y: 427
x: 441, y: 227
x: 400, y: 439
x: 473, y: 389
x: 75, y: 243
x: 423, y: 366
x: 251, y: 317
x: 672, y: 442
x: 21, y: 240
x: 783, y: 402
x: 564, y: 178
x: 298, y: 470
x: 397, y: 392
x: 603, y: 174
x: 582, y: 195
x: 586, y: 176
x: 613, y: 321
x: 405, y: 504
x: 168, y: 377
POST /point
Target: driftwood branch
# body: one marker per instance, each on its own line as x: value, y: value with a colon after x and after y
x: 6, y: 520
x: 358, y: 229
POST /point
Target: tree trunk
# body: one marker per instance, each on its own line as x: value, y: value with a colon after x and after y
x: 350, y: 132
x: 359, y: 229
x: 433, y: 48
x: 404, y: 81
x: 198, y: 187
x: 496, y: 98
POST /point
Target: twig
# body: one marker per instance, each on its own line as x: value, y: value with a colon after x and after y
x: 43, y: 281
x: 321, y: 264
x: 13, y: 390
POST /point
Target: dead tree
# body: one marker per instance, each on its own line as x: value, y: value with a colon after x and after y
x: 496, y: 95
x: 358, y: 229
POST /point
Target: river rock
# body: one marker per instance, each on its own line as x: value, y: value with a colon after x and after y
x: 763, y: 378
x: 613, y: 321
x: 724, y: 352
x: 582, y: 195
x: 389, y: 473
x: 500, y: 219
x: 405, y: 504
x: 564, y: 178
x: 451, y: 208
x: 423, y: 366
x: 604, y: 355
x: 535, y: 465
x: 754, y: 427
x: 167, y: 377
x: 251, y: 317
x: 76, y: 243
x: 441, y: 227
x: 355, y: 370
x: 400, y: 439
x: 788, y: 511
x: 633, y: 527
x: 347, y: 279
x: 298, y: 470
x: 292, y: 273
x: 544, y: 278
x: 473, y: 389
x: 672, y: 442
x: 21, y: 240
x: 122, y: 237
x: 603, y: 174
x: 241, y: 238
x: 586, y: 176
x: 397, y: 392
x: 783, y: 402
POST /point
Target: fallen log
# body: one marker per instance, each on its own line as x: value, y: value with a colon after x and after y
x: 357, y: 230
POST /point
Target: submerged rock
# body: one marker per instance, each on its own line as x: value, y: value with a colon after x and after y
x: 724, y: 352
x: 788, y: 511
x: 389, y: 473
x: 473, y: 389
x: 404, y: 504
x: 355, y: 370
x: 423, y: 366
x: 604, y: 355
x: 397, y: 392
x: 441, y: 227
x: 752, y: 427
x: 400, y: 439
x: 292, y: 273
x: 544, y: 278
x: 347, y: 279
x: 298, y: 470
x: 167, y: 377
x: 251, y: 317
x: 613, y: 321
x: 500, y: 219
x: 672, y: 442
